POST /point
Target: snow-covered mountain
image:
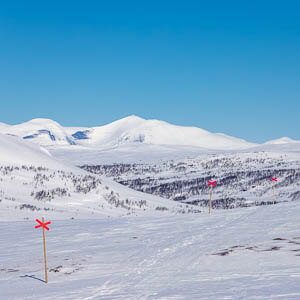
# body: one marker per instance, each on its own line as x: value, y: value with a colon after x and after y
x: 32, y: 181
x: 129, y: 130
x: 283, y: 140
x: 41, y: 131
x: 134, y: 129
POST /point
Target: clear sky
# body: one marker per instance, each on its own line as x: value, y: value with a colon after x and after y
x: 225, y: 66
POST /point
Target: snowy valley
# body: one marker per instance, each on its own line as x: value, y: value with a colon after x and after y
x: 33, y: 182
x: 243, y: 179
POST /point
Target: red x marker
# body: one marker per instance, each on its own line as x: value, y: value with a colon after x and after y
x: 214, y: 183
x: 42, y: 224
x: 274, y: 179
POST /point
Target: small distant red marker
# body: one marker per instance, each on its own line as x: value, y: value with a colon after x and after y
x: 214, y: 183
x: 211, y: 184
x: 44, y: 225
x: 274, y: 179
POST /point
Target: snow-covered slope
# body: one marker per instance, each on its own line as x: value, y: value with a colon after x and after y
x: 16, y: 151
x: 32, y: 182
x: 131, y: 130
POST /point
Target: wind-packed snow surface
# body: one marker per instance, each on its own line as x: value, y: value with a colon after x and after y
x: 251, y: 253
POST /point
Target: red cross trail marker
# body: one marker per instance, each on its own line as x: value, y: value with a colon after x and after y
x: 211, y: 184
x: 273, y: 187
x: 44, y: 226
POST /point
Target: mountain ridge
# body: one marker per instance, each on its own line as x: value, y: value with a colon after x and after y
x: 128, y: 130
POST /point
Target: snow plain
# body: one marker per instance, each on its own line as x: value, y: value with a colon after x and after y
x: 251, y: 253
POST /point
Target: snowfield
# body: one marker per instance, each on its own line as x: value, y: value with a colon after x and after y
x: 251, y: 253
x: 150, y: 237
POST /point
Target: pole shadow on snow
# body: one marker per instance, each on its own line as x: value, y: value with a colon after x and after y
x: 33, y: 277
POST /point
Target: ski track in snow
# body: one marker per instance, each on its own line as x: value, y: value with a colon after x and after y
x: 166, y: 257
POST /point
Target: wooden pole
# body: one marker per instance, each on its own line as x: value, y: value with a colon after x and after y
x: 210, y: 197
x: 273, y: 194
x: 45, y: 256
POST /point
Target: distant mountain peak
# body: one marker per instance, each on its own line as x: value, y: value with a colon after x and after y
x: 128, y: 119
x: 41, y: 121
x: 133, y: 117
x: 44, y: 132
x: 283, y: 140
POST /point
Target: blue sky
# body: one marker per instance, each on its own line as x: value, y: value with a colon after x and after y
x: 225, y: 66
